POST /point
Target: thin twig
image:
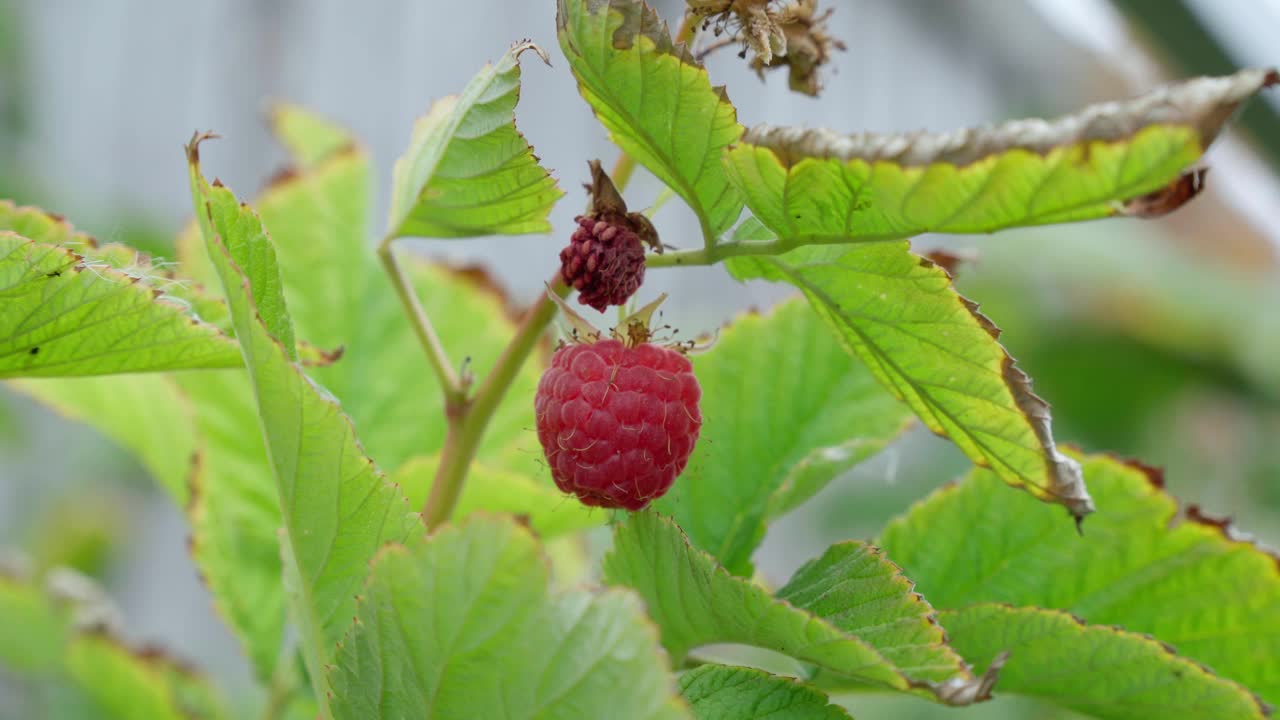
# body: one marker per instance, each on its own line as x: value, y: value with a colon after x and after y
x: 454, y: 390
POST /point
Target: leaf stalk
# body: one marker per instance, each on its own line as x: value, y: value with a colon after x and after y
x: 713, y: 254
x: 455, y: 390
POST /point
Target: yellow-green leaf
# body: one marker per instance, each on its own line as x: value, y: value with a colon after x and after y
x: 655, y: 100
x: 930, y: 346
x: 338, y: 508
x: 818, y: 186
x: 849, y: 611
x: 468, y: 170
x: 65, y: 313
x: 56, y: 637
x: 310, y: 138
x: 1140, y: 565
x: 144, y: 413
x: 1099, y: 670
x: 125, y: 684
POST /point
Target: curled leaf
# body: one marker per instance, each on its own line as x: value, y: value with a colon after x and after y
x: 468, y: 171
x: 820, y: 186
x: 1203, y: 104
x: 931, y: 347
x: 1168, y: 198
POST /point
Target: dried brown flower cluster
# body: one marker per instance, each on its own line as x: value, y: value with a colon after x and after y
x: 791, y: 34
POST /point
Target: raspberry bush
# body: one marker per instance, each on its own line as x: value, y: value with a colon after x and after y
x: 422, y: 551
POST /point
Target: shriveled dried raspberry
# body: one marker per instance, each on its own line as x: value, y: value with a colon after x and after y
x: 604, y: 262
x: 617, y: 424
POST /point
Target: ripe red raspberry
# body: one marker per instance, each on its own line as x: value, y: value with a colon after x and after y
x: 617, y: 424
x: 604, y: 262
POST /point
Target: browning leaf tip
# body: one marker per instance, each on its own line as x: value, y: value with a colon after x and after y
x: 1161, y: 202
x: 1154, y: 475
x: 527, y: 44
x: 193, y: 145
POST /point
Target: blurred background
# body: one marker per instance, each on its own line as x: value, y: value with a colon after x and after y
x: 1154, y: 339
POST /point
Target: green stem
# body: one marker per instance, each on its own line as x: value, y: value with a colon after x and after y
x: 459, y: 447
x: 454, y: 390
x: 715, y: 253
x: 467, y: 428
x: 509, y: 363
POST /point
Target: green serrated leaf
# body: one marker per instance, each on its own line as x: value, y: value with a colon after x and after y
x: 655, y: 100
x: 929, y: 345
x: 462, y: 625
x: 720, y: 692
x: 850, y: 611
x: 489, y: 489
x: 337, y: 507
x: 468, y: 170
x: 889, y: 615
x: 815, y: 412
x: 1101, y: 671
x: 145, y: 413
x: 318, y: 220
x: 65, y: 313
x: 1189, y: 584
x: 338, y: 297
x: 816, y: 186
x: 250, y: 248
